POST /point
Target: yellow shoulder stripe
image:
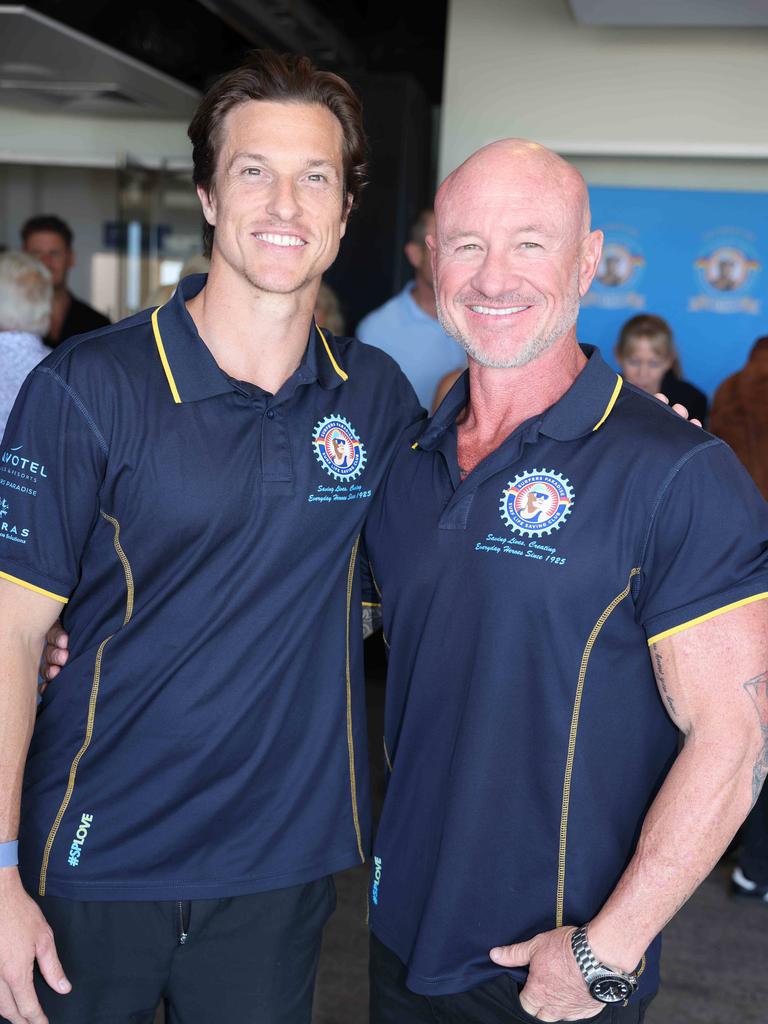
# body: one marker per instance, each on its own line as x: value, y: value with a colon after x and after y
x: 31, y: 586
x: 164, y: 358
x: 335, y: 365
x: 610, y: 405
x: 703, y: 618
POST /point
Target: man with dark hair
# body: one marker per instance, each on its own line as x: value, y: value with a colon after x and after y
x: 199, y: 769
x: 49, y: 239
x: 407, y: 326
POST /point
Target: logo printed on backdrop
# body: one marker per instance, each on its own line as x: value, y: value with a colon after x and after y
x: 619, y: 273
x: 726, y: 270
x: 536, y: 502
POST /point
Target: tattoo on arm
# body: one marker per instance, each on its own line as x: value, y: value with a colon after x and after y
x: 659, y: 668
x: 757, y: 688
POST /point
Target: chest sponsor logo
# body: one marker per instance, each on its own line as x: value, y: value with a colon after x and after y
x: 10, y: 530
x: 536, y: 502
x: 338, y: 448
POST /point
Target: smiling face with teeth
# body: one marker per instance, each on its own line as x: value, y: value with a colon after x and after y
x: 513, y: 253
x: 277, y: 197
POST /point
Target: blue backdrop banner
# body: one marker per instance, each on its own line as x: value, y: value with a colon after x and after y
x: 695, y: 258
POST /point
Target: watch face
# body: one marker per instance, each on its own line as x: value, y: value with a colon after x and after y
x: 611, y: 989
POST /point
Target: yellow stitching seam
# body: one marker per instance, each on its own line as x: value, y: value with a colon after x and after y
x: 559, y: 908
x: 610, y: 405
x: 703, y: 618
x: 336, y: 366
x: 31, y: 586
x: 91, y: 705
x: 350, y: 737
x: 164, y: 358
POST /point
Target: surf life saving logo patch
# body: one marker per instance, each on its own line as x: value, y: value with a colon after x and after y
x: 536, y: 502
x: 338, y: 448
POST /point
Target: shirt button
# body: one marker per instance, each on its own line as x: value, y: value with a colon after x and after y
x: 270, y: 414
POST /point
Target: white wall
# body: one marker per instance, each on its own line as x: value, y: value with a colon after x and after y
x: 27, y: 137
x: 655, y: 107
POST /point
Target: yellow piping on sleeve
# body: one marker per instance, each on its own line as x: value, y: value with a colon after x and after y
x: 164, y: 358
x: 703, y: 618
x: 31, y: 586
x: 335, y: 365
x: 610, y: 405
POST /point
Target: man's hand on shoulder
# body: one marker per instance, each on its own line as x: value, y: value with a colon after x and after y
x: 555, y: 988
x: 681, y: 410
x: 25, y: 936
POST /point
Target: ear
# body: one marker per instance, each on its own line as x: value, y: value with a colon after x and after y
x: 412, y: 252
x: 431, y: 244
x: 208, y: 203
x: 345, y: 214
x: 589, y: 260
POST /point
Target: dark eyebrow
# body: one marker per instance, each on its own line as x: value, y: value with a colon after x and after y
x: 258, y: 157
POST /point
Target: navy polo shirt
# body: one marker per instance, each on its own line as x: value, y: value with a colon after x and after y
x: 207, y: 736
x: 524, y: 729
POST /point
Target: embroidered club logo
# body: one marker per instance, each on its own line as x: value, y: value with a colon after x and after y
x: 338, y: 448
x: 536, y: 502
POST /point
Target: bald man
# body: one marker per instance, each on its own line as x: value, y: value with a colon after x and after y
x: 543, y: 821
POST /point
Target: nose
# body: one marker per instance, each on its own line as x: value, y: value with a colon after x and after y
x: 283, y: 201
x: 496, y: 275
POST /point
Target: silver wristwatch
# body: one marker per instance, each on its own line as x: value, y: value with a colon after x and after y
x: 606, y: 984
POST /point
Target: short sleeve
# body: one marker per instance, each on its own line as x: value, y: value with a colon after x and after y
x: 52, y: 462
x: 707, y: 545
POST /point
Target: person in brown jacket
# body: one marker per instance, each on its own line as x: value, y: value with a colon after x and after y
x: 740, y: 414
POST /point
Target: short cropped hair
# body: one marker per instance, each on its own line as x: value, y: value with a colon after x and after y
x: 280, y: 78
x: 26, y: 294
x: 48, y: 222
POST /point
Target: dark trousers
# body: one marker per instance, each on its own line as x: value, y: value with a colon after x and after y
x: 754, y: 853
x: 244, y: 960
x: 495, y: 1002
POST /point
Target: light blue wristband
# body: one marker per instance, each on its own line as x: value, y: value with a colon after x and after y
x: 9, y: 854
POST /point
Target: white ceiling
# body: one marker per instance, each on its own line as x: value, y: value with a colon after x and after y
x: 49, y: 68
x: 672, y: 13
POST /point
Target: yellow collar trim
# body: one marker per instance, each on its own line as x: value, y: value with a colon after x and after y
x: 164, y: 358
x: 610, y: 405
x: 335, y: 365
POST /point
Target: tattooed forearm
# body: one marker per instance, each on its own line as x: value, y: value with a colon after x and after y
x: 757, y: 688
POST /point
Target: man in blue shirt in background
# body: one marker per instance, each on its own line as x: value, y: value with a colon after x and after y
x: 407, y: 326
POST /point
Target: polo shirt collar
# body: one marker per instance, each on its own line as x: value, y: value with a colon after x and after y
x: 190, y: 369
x: 583, y: 408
